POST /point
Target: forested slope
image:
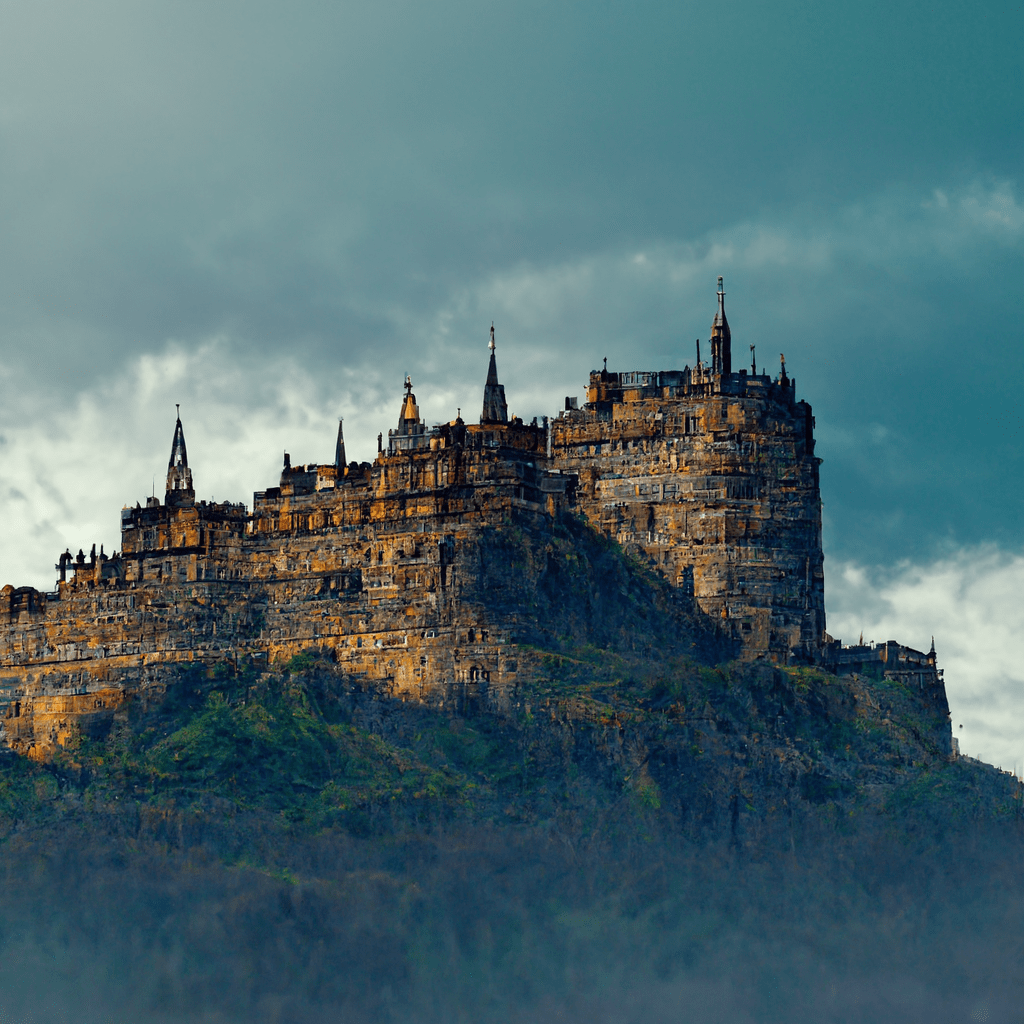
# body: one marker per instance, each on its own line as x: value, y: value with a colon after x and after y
x: 631, y: 834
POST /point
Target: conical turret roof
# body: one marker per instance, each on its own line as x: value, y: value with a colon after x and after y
x: 179, y: 489
x: 339, y: 447
x: 179, y: 453
x: 721, y: 337
x: 410, y: 415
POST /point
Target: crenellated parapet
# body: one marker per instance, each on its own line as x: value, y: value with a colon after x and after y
x: 169, y: 543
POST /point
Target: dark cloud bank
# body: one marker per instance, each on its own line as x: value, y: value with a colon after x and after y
x: 365, y: 188
x: 320, y: 200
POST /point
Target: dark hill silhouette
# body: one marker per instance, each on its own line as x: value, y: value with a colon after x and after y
x: 633, y: 833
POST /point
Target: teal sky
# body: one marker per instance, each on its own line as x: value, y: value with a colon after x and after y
x: 271, y: 213
x: 201, y: 201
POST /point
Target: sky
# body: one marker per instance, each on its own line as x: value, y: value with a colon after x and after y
x: 271, y: 213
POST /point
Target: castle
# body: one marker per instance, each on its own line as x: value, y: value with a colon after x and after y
x: 706, y: 473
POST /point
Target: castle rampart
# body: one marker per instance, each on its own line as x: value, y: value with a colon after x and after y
x: 708, y: 475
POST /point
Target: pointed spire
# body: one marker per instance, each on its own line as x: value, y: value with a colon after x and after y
x: 179, y: 455
x: 179, y: 477
x: 721, y: 337
x: 339, y: 447
x: 409, y: 418
x: 495, y: 409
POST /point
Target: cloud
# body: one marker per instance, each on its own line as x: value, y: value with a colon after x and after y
x: 970, y: 602
x: 810, y: 285
x: 793, y: 278
x: 863, y: 286
x: 65, y: 475
x: 995, y: 209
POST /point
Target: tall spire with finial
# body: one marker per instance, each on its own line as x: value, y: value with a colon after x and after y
x: 721, y: 337
x: 339, y: 448
x: 179, y: 489
x: 495, y: 408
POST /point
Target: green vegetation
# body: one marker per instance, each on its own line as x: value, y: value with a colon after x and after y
x: 283, y: 743
x: 622, y: 835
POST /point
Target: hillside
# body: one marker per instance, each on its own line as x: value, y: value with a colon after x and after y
x: 632, y: 829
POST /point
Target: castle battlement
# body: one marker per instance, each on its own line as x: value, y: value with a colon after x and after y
x: 707, y: 475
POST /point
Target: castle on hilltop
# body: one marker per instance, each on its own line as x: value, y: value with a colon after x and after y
x: 707, y: 474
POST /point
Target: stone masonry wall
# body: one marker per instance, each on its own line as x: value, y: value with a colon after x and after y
x: 721, y: 492
x: 383, y: 577
x: 712, y: 481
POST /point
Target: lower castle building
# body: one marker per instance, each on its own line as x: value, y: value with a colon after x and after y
x: 706, y: 473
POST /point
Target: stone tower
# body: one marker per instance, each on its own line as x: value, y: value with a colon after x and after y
x: 721, y: 337
x: 711, y: 476
x: 411, y: 432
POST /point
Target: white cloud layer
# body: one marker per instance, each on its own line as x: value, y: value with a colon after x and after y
x: 970, y: 601
x: 804, y: 279
x: 65, y: 475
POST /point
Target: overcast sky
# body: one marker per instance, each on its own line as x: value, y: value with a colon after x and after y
x: 271, y: 213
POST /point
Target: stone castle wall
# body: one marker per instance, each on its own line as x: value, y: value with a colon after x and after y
x: 381, y: 571
x: 710, y: 477
x: 716, y: 482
